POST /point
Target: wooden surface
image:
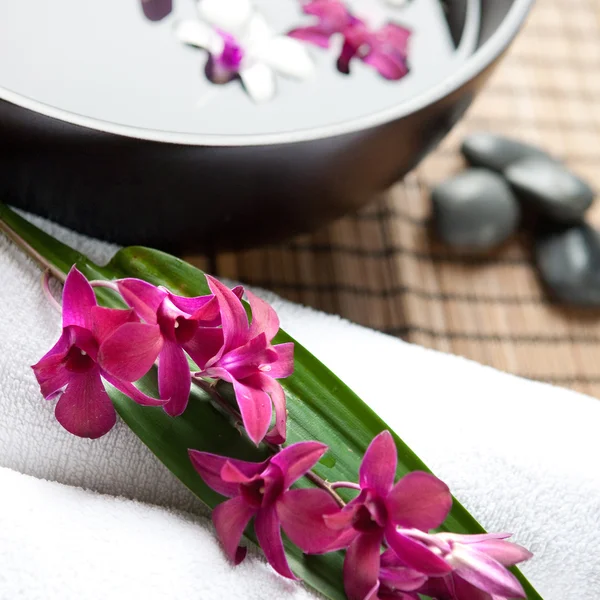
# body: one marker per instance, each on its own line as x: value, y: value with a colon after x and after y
x: 383, y: 269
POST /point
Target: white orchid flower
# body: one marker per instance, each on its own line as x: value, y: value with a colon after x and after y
x: 241, y: 43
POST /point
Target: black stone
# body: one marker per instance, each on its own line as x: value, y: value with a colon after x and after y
x: 475, y: 210
x: 569, y: 264
x: 550, y: 189
x: 496, y: 152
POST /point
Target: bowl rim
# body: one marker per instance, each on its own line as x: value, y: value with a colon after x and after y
x: 479, y: 61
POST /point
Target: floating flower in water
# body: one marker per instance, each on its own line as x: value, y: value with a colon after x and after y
x: 241, y: 44
x: 74, y: 368
x: 384, y: 47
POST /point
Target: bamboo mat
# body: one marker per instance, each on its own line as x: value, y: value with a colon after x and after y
x: 381, y: 268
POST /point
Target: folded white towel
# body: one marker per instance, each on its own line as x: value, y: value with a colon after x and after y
x: 522, y: 456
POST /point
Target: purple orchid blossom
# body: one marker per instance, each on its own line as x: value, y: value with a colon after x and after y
x: 333, y: 17
x: 242, y: 354
x: 385, y: 49
x: 175, y: 323
x: 73, y: 369
x: 419, y: 500
x: 261, y: 490
x: 479, y: 566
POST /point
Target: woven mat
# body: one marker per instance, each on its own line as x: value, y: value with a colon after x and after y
x: 381, y: 268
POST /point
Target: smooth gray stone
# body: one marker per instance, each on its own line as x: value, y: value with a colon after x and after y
x: 475, y: 210
x: 569, y: 264
x: 551, y: 189
x: 496, y: 152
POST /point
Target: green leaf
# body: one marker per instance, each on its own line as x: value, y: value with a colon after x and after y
x: 320, y: 405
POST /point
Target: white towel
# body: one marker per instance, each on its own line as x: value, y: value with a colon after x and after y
x: 522, y: 456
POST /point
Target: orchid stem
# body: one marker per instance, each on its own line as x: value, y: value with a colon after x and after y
x: 310, y: 475
x: 325, y: 485
x: 345, y: 484
x: 31, y: 252
x: 46, y: 287
x: 111, y: 285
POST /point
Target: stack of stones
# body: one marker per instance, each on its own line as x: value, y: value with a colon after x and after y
x: 511, y: 184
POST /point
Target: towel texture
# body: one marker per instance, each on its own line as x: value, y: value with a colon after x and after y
x: 522, y: 456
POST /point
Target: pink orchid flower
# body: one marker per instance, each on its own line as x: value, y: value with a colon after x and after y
x: 174, y: 326
x: 479, y: 563
x: 333, y: 17
x: 261, y: 490
x: 242, y: 354
x: 419, y: 500
x: 385, y: 49
x: 75, y: 366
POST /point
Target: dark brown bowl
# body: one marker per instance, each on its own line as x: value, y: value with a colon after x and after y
x: 188, y: 193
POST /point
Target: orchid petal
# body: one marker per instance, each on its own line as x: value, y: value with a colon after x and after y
x: 156, y: 10
x: 419, y: 500
x: 143, y: 297
x: 230, y: 16
x: 485, y: 573
x: 204, y: 345
x: 264, y: 318
x: 55, y: 384
x: 174, y: 378
x: 245, y: 361
x: 233, y: 315
x: 268, y: 533
x: 378, y: 467
x: 284, y: 365
x: 471, y: 538
x: 395, y: 35
x: 313, y: 34
x: 230, y: 519
x: 387, y: 65
x: 107, y: 320
x: 459, y: 588
x: 130, y: 351
x: 85, y: 409
x: 204, y: 309
x: 255, y: 408
x: 401, y: 578
x: 506, y: 553
x: 278, y: 434
x: 346, y: 55
x: 415, y: 555
x: 132, y: 392
x: 297, y: 459
x: 78, y: 298
x: 259, y: 81
x: 287, y: 56
x: 257, y: 33
x: 209, y: 467
x: 301, y: 514
x: 342, y: 519
x: 49, y: 371
x: 233, y: 474
x: 197, y: 33
x: 361, y: 566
